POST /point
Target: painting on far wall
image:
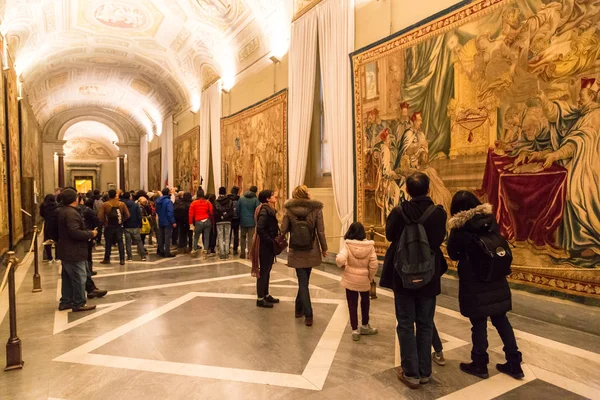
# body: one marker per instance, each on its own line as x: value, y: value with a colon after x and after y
x: 254, y: 147
x: 14, y: 154
x: 501, y: 98
x: 4, y: 227
x: 154, y: 169
x: 186, y: 149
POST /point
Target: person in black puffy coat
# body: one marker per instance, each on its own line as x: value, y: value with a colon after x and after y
x: 479, y: 300
x: 49, y: 211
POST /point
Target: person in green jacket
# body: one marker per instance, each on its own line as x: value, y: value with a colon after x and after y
x: 247, y: 204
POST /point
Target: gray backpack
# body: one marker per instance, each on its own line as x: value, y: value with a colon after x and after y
x: 415, y: 260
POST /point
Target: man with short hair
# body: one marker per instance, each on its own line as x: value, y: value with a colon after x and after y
x: 72, y: 250
x: 132, y: 228
x: 235, y: 222
x: 166, y: 223
x: 247, y: 205
x: 415, y: 306
x: 112, y: 215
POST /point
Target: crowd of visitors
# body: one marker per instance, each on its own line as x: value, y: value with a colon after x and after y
x: 412, y: 268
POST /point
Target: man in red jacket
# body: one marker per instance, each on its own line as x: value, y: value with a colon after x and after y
x: 199, y: 218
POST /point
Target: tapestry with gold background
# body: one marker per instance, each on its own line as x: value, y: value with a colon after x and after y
x: 500, y: 98
x: 254, y: 147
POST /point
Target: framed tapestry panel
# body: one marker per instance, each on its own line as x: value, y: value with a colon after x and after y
x: 14, y: 154
x: 254, y: 147
x: 154, y: 169
x: 186, y: 150
x: 4, y: 227
x: 500, y: 98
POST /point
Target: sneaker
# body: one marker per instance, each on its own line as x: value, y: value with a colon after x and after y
x: 411, y: 382
x: 211, y: 255
x: 479, y: 371
x: 194, y: 253
x: 368, y: 330
x: 122, y: 262
x: 299, y: 314
x: 356, y: 335
x: 94, y: 273
x: 271, y: 299
x: 105, y: 262
x: 438, y: 358
x: 170, y: 256
x: 143, y: 258
x: 84, y: 307
x: 97, y: 293
x: 262, y: 303
x: 424, y: 380
x: 235, y: 253
x: 243, y: 256
x: 308, y: 321
x: 63, y: 307
x: 511, y: 369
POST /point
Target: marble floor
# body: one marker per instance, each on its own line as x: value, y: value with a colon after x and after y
x: 185, y: 328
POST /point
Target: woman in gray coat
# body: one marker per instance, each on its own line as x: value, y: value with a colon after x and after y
x: 303, y: 219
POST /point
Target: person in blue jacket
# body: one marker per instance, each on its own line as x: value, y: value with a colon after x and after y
x: 166, y: 223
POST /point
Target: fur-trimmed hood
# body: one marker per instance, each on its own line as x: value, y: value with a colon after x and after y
x: 302, y: 207
x: 460, y: 219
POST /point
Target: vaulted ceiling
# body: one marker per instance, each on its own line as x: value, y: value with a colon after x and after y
x: 141, y: 59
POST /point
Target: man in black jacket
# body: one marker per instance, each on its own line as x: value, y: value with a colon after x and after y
x: 415, y: 306
x: 72, y: 250
x: 235, y: 222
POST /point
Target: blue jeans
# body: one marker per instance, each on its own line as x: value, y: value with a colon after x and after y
x: 203, y: 228
x: 74, y: 275
x: 164, y: 240
x: 303, y: 304
x: 415, y: 350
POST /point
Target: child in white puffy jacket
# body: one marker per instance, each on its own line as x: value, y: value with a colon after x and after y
x: 359, y: 261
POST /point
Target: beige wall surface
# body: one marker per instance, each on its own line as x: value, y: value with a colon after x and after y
x: 377, y: 19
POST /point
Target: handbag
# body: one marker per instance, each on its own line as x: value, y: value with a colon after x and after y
x: 145, y: 226
x: 281, y: 244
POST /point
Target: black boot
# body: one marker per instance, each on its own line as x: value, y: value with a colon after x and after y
x: 511, y: 368
x: 479, y: 370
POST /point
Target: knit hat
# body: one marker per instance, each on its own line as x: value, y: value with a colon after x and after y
x: 68, y: 196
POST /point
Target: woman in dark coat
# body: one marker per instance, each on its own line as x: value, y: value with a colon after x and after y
x: 267, y: 229
x: 48, y: 211
x: 302, y: 207
x: 479, y: 300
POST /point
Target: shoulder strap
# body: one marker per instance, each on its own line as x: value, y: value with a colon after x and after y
x: 426, y: 214
x: 407, y: 220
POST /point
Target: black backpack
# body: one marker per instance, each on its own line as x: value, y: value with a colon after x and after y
x: 301, y: 234
x: 415, y: 260
x: 114, y: 216
x: 491, y: 256
x: 181, y: 211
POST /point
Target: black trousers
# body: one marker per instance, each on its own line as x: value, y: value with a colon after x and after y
x: 48, y: 252
x: 235, y: 232
x: 99, y: 236
x: 480, y: 343
x: 112, y: 235
x: 186, y: 237
x: 365, y: 303
x: 262, y: 283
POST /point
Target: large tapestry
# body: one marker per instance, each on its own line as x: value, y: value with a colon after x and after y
x: 500, y: 98
x: 4, y: 227
x: 32, y: 171
x: 186, y: 149
x: 14, y: 155
x: 254, y: 147
x: 154, y: 169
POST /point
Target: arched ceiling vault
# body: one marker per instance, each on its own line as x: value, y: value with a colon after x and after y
x: 135, y: 60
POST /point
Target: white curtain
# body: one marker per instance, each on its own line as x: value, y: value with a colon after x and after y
x: 166, y: 140
x: 204, y: 139
x: 336, y: 42
x: 144, y: 162
x: 302, y: 74
x: 214, y: 95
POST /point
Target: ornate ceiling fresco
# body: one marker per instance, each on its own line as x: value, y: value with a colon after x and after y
x: 141, y: 59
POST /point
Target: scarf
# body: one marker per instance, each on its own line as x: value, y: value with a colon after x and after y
x: 255, y: 250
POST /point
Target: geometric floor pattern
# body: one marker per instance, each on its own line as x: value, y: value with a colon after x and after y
x: 186, y: 328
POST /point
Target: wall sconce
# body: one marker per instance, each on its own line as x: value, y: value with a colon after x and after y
x: 275, y: 59
x: 226, y: 91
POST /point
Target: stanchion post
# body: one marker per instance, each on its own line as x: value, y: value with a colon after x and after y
x: 14, y: 351
x: 37, y: 279
x: 373, y: 290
